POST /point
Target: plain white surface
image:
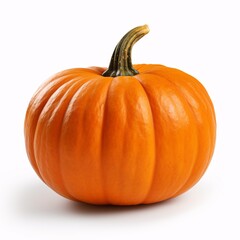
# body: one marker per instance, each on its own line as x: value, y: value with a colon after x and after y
x: 40, y: 38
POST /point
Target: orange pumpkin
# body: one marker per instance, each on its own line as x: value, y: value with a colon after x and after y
x: 131, y: 134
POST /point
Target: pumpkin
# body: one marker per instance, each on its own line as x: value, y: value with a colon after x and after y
x: 126, y: 135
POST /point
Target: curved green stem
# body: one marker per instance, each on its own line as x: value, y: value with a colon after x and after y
x: 121, y: 62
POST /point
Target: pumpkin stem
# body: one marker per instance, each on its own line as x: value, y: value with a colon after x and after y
x: 121, y: 62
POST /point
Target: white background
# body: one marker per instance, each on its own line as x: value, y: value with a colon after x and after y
x: 40, y: 38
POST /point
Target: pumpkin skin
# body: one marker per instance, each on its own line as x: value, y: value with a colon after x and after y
x: 121, y: 140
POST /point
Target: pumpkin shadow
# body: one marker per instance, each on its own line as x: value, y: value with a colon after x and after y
x: 90, y: 209
x: 38, y: 201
